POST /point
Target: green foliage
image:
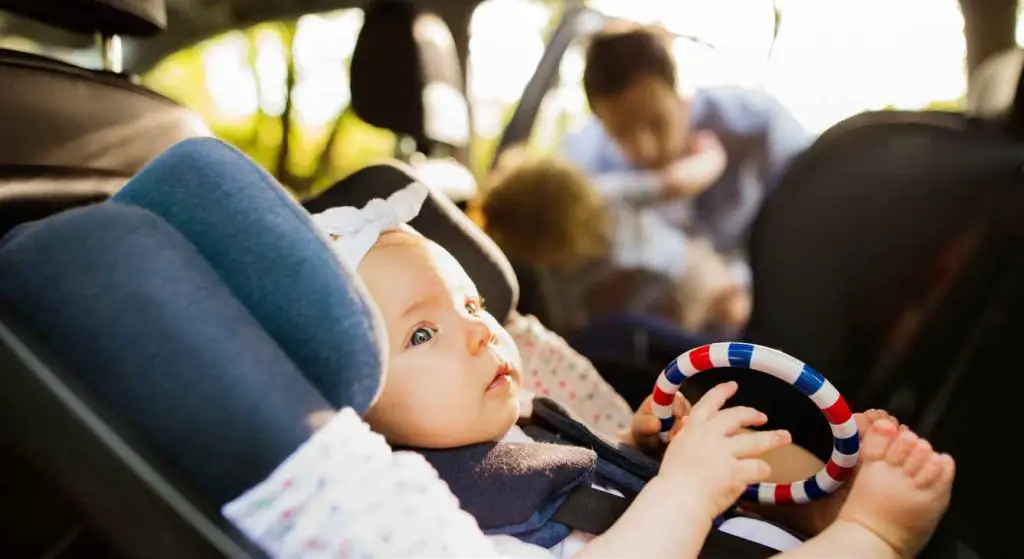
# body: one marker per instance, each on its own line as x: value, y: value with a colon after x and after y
x: 306, y: 158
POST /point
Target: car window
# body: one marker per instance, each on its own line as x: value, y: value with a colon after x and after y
x: 826, y: 63
x: 251, y: 85
x: 506, y: 41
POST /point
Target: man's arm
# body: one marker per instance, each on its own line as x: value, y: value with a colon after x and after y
x: 757, y: 114
x: 596, y: 154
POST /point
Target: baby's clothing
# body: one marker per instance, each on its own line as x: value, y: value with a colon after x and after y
x: 551, y: 368
x: 345, y: 493
x: 744, y: 527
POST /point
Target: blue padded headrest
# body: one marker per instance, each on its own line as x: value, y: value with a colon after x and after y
x: 266, y: 250
x: 134, y: 313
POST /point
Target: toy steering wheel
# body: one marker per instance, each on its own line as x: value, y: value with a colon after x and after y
x: 846, y: 441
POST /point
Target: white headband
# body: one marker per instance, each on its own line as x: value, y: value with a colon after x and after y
x: 352, y: 232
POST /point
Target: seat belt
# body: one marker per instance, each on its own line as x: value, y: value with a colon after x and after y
x: 591, y: 510
x: 594, y: 511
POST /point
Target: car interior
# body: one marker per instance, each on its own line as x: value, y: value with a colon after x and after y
x: 919, y: 313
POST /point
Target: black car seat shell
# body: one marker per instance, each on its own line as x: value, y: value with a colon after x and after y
x: 75, y: 135
x: 130, y: 18
x: 441, y: 221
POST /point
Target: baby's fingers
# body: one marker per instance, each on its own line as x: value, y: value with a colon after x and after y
x: 753, y: 471
x: 645, y: 432
x: 646, y: 424
x: 713, y: 400
x: 732, y: 420
x: 756, y: 443
x: 680, y: 407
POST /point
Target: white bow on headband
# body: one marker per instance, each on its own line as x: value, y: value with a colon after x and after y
x: 352, y: 231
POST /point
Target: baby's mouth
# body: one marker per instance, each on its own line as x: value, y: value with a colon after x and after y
x: 502, y: 377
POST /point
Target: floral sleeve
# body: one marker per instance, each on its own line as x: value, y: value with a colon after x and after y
x: 344, y: 493
x: 551, y: 368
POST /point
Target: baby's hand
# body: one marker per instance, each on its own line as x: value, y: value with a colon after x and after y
x: 645, y: 427
x: 713, y: 456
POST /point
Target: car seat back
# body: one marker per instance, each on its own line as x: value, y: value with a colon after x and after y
x: 112, y: 291
x: 852, y: 232
x: 407, y: 78
x: 74, y: 135
x: 112, y: 382
x: 889, y: 258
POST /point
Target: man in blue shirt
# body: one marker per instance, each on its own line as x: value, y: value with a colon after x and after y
x: 651, y: 145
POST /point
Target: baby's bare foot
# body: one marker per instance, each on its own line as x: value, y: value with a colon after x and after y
x: 902, y: 488
x: 826, y: 511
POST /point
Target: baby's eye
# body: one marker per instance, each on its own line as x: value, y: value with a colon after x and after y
x: 475, y: 305
x: 421, y: 335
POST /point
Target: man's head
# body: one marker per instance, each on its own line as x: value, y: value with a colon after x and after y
x: 544, y: 212
x: 453, y: 374
x: 630, y: 82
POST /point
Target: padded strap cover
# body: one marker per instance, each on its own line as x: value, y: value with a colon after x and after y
x: 131, y: 308
x: 267, y: 251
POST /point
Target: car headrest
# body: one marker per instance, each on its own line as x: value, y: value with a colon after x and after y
x: 151, y: 333
x: 79, y: 135
x: 993, y: 86
x: 406, y: 75
x: 267, y: 251
x: 441, y: 221
x: 66, y: 117
x: 133, y: 18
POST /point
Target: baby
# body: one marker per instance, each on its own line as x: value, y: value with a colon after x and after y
x: 453, y: 379
x: 545, y: 213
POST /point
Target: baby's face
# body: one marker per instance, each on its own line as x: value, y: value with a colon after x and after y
x: 453, y: 373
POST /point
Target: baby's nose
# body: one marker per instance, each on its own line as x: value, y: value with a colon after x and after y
x: 478, y: 337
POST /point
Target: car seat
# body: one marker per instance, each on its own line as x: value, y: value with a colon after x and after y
x: 147, y: 333
x: 110, y: 292
x: 75, y: 135
x: 888, y: 258
x: 407, y: 78
x: 442, y: 222
x: 120, y: 345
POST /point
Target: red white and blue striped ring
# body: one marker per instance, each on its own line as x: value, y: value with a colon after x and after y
x: 846, y: 446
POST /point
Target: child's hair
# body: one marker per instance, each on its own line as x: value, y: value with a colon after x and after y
x: 543, y: 211
x: 616, y: 58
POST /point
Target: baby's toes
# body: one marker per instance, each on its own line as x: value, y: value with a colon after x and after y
x: 932, y: 471
x: 882, y: 414
x: 864, y: 420
x: 948, y: 469
x: 919, y: 456
x: 900, y: 448
x: 877, y: 439
x: 875, y: 414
